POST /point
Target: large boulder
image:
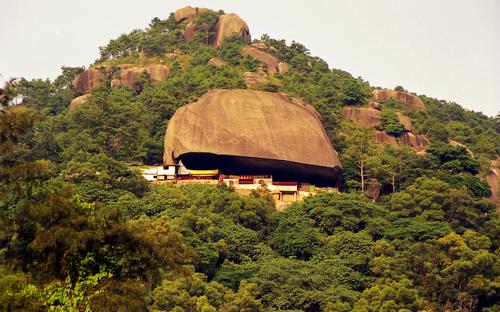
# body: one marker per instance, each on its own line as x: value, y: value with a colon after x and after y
x: 405, y: 121
x: 130, y: 76
x: 252, y: 132
x: 417, y: 142
x: 266, y: 58
x: 374, y: 105
x: 228, y: 25
x: 411, y: 101
x: 186, y: 13
x: 76, y: 102
x: 283, y: 68
x: 366, y: 117
x: 88, y: 79
x: 382, y: 138
x: 217, y: 62
x: 252, y: 79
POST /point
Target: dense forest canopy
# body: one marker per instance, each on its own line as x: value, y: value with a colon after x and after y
x: 81, y: 230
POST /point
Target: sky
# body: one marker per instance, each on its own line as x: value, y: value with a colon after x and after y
x: 447, y: 49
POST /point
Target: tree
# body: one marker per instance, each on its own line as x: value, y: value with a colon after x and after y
x: 392, y: 296
x: 354, y: 92
x: 392, y: 165
x: 359, y: 149
x: 391, y: 124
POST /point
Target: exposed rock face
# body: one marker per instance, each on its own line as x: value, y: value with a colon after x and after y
x: 266, y: 58
x: 410, y: 100
x: 370, y: 117
x: 157, y: 72
x: 130, y: 76
x: 228, y: 25
x: 455, y: 143
x: 190, y: 30
x: 252, y: 132
x: 493, y: 180
x: 366, y: 117
x: 260, y: 45
x: 253, y: 79
x: 88, y: 79
x: 76, y: 102
x: 217, y: 62
x: 417, y: 142
x: 186, y: 13
x: 405, y: 121
x: 383, y: 138
x: 282, y: 68
x: 375, y: 105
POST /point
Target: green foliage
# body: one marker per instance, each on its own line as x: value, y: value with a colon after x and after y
x: 81, y: 230
x: 354, y: 92
x: 433, y: 199
x: 289, y: 284
x: 393, y: 296
x: 344, y: 212
x: 454, y: 159
x: 391, y: 124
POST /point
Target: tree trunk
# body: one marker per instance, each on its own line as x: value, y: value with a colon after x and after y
x: 362, y: 172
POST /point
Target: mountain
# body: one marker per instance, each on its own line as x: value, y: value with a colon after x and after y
x: 415, y: 226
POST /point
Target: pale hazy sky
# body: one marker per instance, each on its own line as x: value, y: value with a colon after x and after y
x: 448, y: 49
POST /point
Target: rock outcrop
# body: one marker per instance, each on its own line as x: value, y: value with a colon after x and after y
x: 88, y: 79
x: 455, y: 143
x: 76, y: 102
x: 374, y: 105
x: 417, y: 142
x: 217, y: 62
x: 382, y: 138
x: 270, y: 61
x: 493, y: 180
x: 252, y: 132
x: 282, y: 68
x: 228, y: 25
x: 367, y: 117
x: 252, y: 79
x: 411, y: 101
x: 130, y: 76
x: 370, y: 117
x: 405, y: 121
x: 186, y: 13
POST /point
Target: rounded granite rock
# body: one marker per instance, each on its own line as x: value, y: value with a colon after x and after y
x: 252, y: 132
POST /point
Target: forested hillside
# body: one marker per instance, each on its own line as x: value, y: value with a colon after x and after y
x: 414, y: 228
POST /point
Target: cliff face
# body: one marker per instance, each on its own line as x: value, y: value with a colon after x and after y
x: 76, y: 102
x: 411, y: 101
x: 367, y: 117
x: 88, y: 79
x: 227, y: 25
x: 371, y: 116
x: 128, y: 76
x: 244, y: 131
x: 270, y: 61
